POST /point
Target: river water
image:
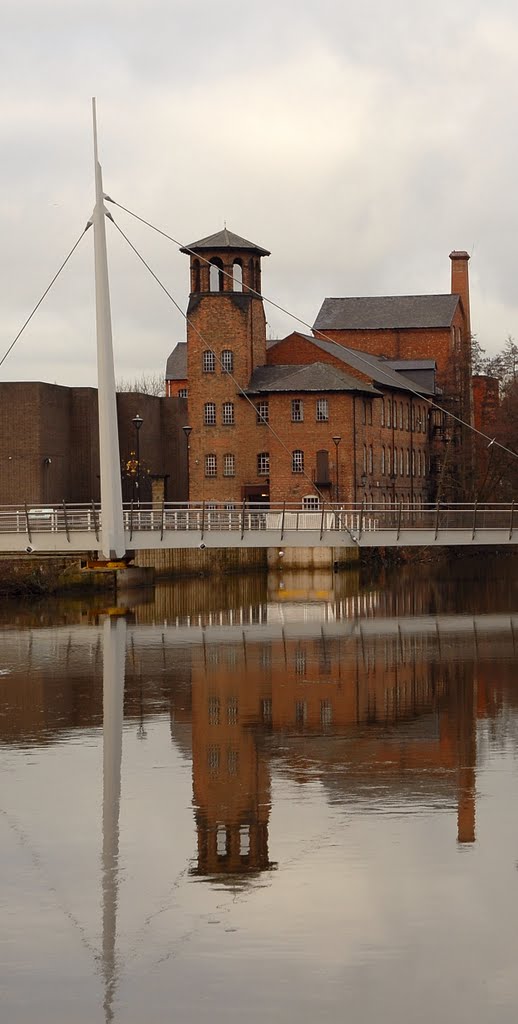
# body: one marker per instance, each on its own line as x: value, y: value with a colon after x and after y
x: 290, y: 799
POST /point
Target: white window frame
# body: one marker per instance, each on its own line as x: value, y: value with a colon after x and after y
x: 209, y: 414
x: 297, y: 410
x: 228, y: 414
x: 209, y: 361
x: 322, y: 410
x: 229, y: 464
x: 263, y: 464
x: 297, y: 461
x: 211, y: 465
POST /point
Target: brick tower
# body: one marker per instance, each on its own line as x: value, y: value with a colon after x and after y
x: 226, y: 341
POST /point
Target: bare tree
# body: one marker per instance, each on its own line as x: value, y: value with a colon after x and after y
x: 146, y: 384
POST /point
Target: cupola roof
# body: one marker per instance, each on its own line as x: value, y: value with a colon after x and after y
x: 224, y: 239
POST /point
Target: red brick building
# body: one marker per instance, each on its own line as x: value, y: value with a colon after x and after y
x: 344, y: 414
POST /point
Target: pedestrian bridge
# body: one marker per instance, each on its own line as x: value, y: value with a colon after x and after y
x: 67, y: 528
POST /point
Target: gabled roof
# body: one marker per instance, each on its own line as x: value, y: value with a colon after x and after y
x: 380, y: 370
x: 309, y: 377
x: 387, y: 312
x: 176, y: 366
x: 224, y: 240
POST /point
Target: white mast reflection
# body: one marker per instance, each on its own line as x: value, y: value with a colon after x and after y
x: 114, y: 653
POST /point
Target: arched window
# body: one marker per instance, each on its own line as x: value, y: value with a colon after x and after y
x: 229, y: 465
x: 371, y: 459
x: 401, y: 415
x: 237, y: 276
x: 389, y: 460
x: 387, y: 410
x: 209, y: 361
x: 311, y: 502
x: 297, y: 461
x: 228, y: 414
x: 209, y: 414
x: 227, y: 360
x: 216, y: 274
x: 383, y: 460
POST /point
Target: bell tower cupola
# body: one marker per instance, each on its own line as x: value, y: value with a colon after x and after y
x: 223, y: 263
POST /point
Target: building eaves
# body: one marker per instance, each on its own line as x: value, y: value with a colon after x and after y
x: 176, y: 366
x: 310, y: 377
x: 386, y: 312
x: 224, y: 239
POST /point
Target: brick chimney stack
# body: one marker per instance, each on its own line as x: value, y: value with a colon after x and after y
x: 460, y: 283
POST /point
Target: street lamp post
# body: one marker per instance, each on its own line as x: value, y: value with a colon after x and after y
x: 137, y: 423
x: 187, y: 431
x: 336, y: 441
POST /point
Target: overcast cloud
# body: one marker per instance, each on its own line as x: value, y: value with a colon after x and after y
x: 360, y: 143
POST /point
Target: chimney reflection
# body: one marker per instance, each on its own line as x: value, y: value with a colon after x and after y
x: 114, y: 653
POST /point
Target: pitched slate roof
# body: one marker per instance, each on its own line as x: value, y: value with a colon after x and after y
x: 387, y: 312
x: 224, y: 240
x: 379, y: 369
x: 309, y: 377
x: 176, y: 366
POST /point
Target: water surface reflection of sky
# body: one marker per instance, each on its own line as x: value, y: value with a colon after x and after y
x: 289, y: 799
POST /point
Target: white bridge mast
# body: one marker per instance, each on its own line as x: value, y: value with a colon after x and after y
x: 112, y: 523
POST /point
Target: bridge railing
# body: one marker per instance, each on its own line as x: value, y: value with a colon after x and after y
x: 352, y: 519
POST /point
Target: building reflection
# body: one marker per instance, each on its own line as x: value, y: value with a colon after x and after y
x: 357, y: 714
x: 367, y: 692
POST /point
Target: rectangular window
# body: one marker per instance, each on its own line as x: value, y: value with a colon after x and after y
x: 182, y: 392
x: 228, y: 414
x: 213, y: 710
x: 211, y: 465
x: 322, y: 410
x: 229, y: 465
x: 227, y: 360
x: 326, y: 712
x: 209, y: 362
x: 213, y: 759
x: 301, y: 712
x: 371, y: 459
x: 297, y: 462
x: 369, y: 413
x: 297, y: 410
x: 232, y: 707
x: 263, y: 412
x: 387, y: 410
x: 266, y: 708
x: 263, y: 464
x: 209, y: 414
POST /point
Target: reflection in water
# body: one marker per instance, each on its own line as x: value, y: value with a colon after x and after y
x: 369, y: 703
x: 114, y: 649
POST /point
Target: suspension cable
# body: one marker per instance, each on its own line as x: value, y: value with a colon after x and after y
x: 362, y: 357
x: 45, y: 293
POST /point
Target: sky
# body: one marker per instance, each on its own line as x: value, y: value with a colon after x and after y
x: 360, y: 143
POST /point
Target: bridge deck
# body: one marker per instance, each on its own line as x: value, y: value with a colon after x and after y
x: 69, y: 528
